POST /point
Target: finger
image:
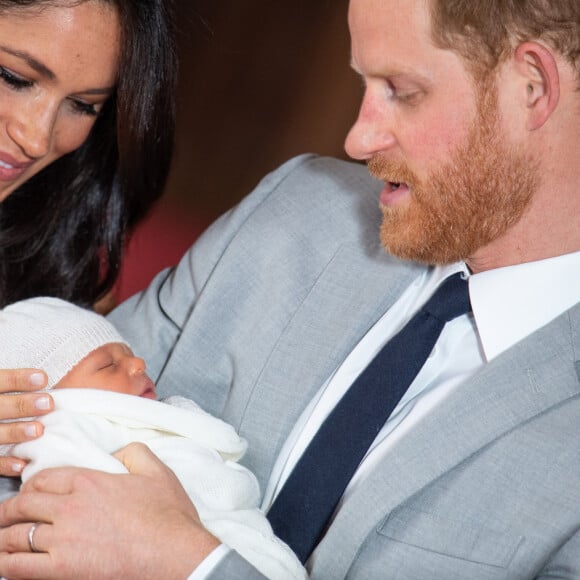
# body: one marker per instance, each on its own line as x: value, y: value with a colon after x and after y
x: 26, y: 565
x: 32, y: 537
x: 56, y: 480
x: 30, y: 507
x: 17, y: 560
x: 139, y: 459
x: 16, y: 380
x: 25, y: 405
x: 11, y: 466
x: 17, y: 432
x: 16, y: 538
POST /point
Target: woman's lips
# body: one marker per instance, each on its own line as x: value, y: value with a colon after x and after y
x: 11, y: 171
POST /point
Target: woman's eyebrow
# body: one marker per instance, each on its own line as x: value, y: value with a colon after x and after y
x: 32, y: 62
x: 43, y: 70
x: 103, y: 91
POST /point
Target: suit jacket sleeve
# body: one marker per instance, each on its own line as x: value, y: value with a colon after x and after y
x: 153, y: 320
x: 234, y: 567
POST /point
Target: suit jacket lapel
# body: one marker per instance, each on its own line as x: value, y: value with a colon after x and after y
x: 530, y: 378
x: 348, y: 298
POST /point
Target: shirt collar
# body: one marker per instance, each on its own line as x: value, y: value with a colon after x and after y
x: 511, y: 303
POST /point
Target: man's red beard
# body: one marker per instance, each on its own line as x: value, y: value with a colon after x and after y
x: 465, y: 204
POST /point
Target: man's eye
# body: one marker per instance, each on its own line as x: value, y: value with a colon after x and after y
x: 408, y: 97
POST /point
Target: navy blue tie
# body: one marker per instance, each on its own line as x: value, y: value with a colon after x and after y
x: 306, y: 502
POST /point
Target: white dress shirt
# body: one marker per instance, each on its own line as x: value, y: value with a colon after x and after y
x: 508, y: 304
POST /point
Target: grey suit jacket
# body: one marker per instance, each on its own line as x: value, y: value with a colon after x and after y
x: 270, y: 301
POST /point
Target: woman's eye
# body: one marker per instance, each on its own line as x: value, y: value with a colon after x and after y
x: 83, y: 108
x: 14, y: 81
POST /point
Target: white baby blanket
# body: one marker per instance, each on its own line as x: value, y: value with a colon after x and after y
x: 88, y: 425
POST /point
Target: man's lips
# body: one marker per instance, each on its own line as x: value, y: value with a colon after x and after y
x: 393, y: 193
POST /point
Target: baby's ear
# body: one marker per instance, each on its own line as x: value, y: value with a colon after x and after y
x: 540, y: 81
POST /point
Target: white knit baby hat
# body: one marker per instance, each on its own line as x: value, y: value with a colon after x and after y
x: 51, y: 335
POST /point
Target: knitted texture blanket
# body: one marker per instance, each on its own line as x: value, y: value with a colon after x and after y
x: 88, y: 425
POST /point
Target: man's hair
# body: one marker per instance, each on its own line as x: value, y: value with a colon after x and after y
x: 484, y: 32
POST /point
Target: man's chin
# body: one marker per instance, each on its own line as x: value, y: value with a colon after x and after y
x: 420, y: 256
x: 417, y: 243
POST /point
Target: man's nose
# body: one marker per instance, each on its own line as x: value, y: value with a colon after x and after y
x: 371, y: 132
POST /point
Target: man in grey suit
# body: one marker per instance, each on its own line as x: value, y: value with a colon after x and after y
x: 469, y: 126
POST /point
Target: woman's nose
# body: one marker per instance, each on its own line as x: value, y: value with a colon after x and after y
x: 32, y: 130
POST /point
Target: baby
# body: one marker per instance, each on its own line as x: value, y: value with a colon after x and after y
x: 105, y: 400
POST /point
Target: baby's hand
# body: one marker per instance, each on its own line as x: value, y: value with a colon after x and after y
x: 14, y: 407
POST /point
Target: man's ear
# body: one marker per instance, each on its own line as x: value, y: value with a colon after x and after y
x: 540, y: 76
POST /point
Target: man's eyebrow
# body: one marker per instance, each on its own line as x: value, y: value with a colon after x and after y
x: 402, y: 72
x: 30, y: 61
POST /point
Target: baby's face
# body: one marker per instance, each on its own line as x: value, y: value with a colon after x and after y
x: 111, y: 367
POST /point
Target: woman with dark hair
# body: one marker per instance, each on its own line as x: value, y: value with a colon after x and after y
x: 86, y: 135
x: 62, y: 232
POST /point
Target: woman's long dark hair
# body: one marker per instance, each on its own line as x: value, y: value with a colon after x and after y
x: 63, y: 232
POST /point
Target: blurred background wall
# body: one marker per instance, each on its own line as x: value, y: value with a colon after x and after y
x: 260, y: 82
